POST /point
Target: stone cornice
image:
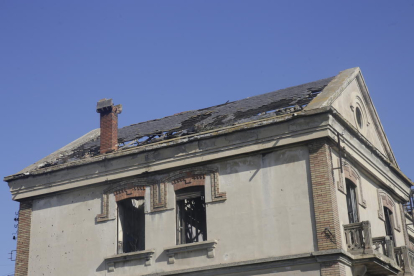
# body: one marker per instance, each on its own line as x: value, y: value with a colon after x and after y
x: 168, y: 143
x: 301, y: 128
x: 143, y: 162
x: 336, y: 255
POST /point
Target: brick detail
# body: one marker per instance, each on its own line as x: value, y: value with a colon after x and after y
x: 129, y: 192
x: 126, y: 185
x: 333, y: 269
x: 182, y: 179
x: 188, y: 180
x: 109, y: 131
x: 23, y: 239
x: 324, y: 196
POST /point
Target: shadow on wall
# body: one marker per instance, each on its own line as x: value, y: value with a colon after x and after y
x: 71, y: 197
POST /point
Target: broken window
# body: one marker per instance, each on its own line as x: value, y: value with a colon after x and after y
x: 131, y: 225
x: 191, y: 215
x: 389, y: 229
x: 351, y: 201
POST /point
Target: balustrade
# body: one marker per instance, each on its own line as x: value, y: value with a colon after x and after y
x: 358, y: 237
x: 384, y: 245
x: 404, y: 257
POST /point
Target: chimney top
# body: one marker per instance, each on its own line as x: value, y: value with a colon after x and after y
x: 104, y: 105
x: 109, y: 124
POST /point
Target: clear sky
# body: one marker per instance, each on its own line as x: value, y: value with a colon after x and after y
x: 157, y: 58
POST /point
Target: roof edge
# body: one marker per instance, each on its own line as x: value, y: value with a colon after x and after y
x: 335, y: 87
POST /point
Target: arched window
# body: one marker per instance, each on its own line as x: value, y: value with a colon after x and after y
x: 388, y: 221
x: 131, y: 218
x: 351, y: 174
x: 387, y: 212
x: 351, y: 201
x: 191, y: 215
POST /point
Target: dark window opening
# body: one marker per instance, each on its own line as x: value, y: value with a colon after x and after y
x: 191, y: 215
x: 131, y: 232
x: 358, y: 117
x: 388, y: 216
x: 351, y: 202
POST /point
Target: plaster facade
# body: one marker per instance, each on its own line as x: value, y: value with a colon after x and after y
x: 274, y: 190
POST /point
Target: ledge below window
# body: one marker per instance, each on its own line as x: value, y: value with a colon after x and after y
x: 145, y: 254
x: 205, y: 245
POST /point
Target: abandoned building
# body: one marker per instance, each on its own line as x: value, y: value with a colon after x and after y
x: 300, y: 181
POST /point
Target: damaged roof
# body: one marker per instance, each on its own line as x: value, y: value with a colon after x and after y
x: 278, y: 102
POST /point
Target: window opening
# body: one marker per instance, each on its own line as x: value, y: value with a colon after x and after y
x: 389, y: 230
x: 191, y: 215
x: 358, y: 117
x: 351, y: 202
x: 131, y: 231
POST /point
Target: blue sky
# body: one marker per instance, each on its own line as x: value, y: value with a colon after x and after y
x: 157, y: 58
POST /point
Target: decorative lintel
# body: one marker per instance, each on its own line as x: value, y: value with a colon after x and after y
x: 209, y: 246
x: 145, y: 254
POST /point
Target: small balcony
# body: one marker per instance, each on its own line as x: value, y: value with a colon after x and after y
x: 376, y: 255
x: 404, y: 257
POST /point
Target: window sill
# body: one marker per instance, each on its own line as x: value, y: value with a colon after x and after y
x: 207, y: 245
x: 145, y: 254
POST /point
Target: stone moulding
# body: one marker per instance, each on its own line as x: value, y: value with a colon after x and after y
x: 209, y: 246
x: 352, y: 174
x: 145, y: 254
x: 117, y: 188
x: 186, y: 178
x: 385, y: 200
x: 135, y: 186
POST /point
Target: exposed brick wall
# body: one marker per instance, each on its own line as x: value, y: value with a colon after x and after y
x: 23, y: 239
x: 109, y: 131
x: 324, y: 196
x: 333, y: 269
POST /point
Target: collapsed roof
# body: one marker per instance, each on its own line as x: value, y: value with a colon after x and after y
x: 279, y: 102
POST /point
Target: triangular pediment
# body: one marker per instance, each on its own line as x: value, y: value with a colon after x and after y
x: 348, y: 94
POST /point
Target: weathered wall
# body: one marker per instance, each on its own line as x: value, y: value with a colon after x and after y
x: 267, y: 213
x: 65, y: 240
x: 370, y: 211
x: 346, y: 105
x: 309, y: 269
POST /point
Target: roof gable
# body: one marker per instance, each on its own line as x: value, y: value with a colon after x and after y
x: 348, y: 94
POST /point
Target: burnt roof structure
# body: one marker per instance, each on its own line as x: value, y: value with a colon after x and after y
x: 302, y: 100
x: 189, y: 122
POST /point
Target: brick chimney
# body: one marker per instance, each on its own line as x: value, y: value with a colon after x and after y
x: 109, y: 124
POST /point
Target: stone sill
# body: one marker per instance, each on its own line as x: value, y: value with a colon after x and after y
x: 145, y: 254
x: 204, y: 245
